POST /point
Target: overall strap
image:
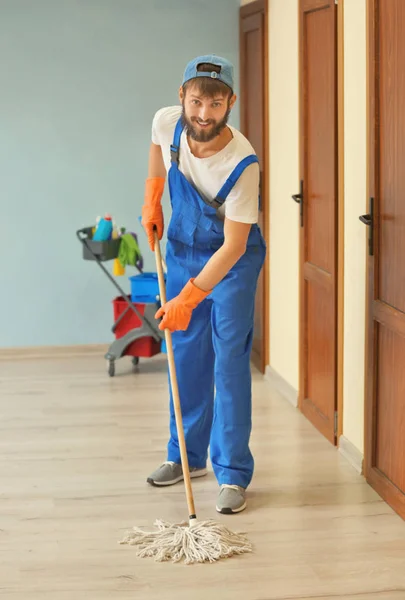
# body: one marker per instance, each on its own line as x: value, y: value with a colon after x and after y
x: 233, y: 178
x: 175, y: 147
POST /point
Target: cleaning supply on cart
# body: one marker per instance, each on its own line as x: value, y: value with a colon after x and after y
x: 93, y: 229
x: 104, y: 229
x: 129, y: 252
x: 118, y: 269
x: 139, y: 262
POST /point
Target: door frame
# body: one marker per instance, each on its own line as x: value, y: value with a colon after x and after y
x: 260, y: 6
x: 340, y: 218
x: 370, y: 109
x: 341, y: 215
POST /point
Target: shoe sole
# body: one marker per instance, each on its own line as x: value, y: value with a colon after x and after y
x: 231, y: 511
x: 193, y: 475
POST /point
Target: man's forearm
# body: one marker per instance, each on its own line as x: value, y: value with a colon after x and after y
x: 156, y: 166
x: 218, y: 266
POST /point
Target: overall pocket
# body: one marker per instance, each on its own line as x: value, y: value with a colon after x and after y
x: 182, y: 229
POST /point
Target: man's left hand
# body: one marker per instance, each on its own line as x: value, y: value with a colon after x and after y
x: 177, y: 312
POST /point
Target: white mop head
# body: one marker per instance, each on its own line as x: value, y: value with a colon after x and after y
x: 205, y: 541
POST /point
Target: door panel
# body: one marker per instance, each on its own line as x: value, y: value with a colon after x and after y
x: 253, y: 126
x: 320, y: 348
x: 321, y: 163
x: 392, y: 154
x: 390, y: 441
x: 385, y: 394
x: 318, y: 149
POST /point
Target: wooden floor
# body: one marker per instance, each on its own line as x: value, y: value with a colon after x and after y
x: 75, y: 449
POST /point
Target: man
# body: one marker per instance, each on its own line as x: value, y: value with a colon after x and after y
x: 215, y: 252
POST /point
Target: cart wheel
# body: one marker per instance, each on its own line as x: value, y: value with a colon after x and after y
x: 111, y: 368
x: 135, y: 360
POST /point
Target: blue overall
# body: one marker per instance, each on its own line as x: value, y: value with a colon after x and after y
x: 214, y: 352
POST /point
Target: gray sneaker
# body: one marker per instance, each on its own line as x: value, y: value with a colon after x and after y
x: 170, y: 473
x: 231, y: 499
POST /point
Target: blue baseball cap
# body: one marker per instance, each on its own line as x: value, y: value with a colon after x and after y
x: 225, y: 75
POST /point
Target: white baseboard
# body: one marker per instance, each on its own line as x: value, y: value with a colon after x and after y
x: 351, y: 454
x: 346, y: 448
x: 282, y: 386
x: 35, y: 352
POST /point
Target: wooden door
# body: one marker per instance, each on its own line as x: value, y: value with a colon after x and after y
x: 318, y: 200
x: 385, y: 381
x: 254, y: 125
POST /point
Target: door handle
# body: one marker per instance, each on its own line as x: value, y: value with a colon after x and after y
x: 366, y: 219
x: 299, y: 198
x: 369, y: 221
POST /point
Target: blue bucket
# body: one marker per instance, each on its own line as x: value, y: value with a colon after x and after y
x: 145, y: 288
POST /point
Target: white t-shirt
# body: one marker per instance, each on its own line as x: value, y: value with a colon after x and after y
x: 209, y: 174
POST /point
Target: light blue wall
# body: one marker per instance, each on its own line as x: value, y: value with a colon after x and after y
x: 80, y: 82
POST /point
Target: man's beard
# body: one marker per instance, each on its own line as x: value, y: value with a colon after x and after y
x: 204, y: 136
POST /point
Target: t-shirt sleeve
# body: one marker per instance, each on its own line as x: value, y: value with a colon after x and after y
x: 242, y: 203
x: 163, y: 126
x: 164, y: 123
x: 157, y: 127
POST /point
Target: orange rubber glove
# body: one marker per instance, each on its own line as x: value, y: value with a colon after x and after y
x: 177, y: 312
x: 152, y: 213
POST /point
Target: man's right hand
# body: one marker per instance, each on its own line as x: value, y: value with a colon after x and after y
x: 152, y: 213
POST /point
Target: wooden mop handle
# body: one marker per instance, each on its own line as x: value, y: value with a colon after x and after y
x: 174, y: 386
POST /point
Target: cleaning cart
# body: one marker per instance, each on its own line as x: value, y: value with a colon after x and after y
x: 135, y: 328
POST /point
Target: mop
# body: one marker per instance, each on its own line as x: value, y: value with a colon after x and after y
x: 197, y: 541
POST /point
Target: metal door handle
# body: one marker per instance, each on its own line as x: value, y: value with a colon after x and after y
x: 366, y: 219
x: 299, y: 198
x: 369, y: 221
